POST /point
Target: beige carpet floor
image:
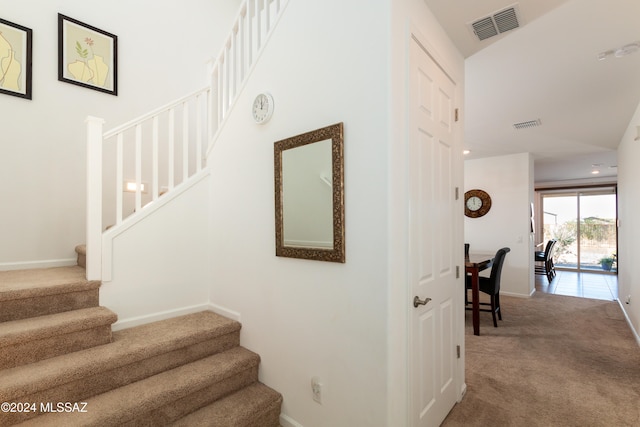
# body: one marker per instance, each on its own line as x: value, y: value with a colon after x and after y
x: 552, y: 361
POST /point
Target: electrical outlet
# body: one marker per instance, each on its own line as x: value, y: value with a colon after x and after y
x: 316, y: 389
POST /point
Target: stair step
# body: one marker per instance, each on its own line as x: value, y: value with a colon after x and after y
x: 134, y: 354
x: 39, y: 292
x: 253, y: 406
x: 165, y: 397
x: 29, y: 340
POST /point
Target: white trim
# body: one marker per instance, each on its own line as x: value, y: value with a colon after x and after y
x: 168, y: 314
x: 626, y: 316
x: 515, y: 295
x: 222, y: 311
x: 286, y: 421
x: 149, y: 318
x: 463, y: 391
x: 47, y: 263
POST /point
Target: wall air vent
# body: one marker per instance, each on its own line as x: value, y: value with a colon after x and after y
x: 527, y: 125
x: 496, y: 23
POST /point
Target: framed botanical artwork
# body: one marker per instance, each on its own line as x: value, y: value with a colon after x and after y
x: 87, y: 56
x: 15, y: 59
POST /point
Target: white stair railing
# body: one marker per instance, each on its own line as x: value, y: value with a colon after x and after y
x: 251, y: 31
x: 152, y: 154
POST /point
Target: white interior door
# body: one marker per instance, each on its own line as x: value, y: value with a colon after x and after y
x: 431, y: 265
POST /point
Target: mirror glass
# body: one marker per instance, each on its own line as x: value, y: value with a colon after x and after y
x: 309, y: 195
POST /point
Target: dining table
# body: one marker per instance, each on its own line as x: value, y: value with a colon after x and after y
x: 474, y: 263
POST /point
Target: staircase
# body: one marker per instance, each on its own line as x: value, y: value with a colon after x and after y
x: 61, y: 364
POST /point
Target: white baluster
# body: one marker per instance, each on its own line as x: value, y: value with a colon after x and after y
x: 171, y: 152
x: 199, y: 101
x: 119, y: 177
x: 185, y: 141
x: 218, y: 95
x: 233, y: 62
x: 267, y: 16
x: 258, y: 25
x: 155, y: 159
x: 250, y: 6
x: 138, y: 163
x: 224, y: 76
x: 241, y: 48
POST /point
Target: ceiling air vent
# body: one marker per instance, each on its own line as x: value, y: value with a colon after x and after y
x: 526, y: 125
x: 496, y: 23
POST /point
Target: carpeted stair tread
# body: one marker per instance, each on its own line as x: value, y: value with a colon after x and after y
x: 34, y: 328
x: 253, y: 406
x: 128, y: 346
x: 137, y: 401
x: 17, y: 284
x: 30, y: 340
x: 40, y: 292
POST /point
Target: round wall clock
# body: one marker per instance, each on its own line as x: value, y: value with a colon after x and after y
x: 262, y: 108
x: 476, y: 203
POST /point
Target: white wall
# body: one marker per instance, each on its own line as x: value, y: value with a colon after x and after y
x: 629, y: 229
x: 310, y: 318
x: 509, y: 182
x: 163, y: 48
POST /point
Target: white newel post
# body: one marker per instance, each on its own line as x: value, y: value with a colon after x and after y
x: 94, y: 197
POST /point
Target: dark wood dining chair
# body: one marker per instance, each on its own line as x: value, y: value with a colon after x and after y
x: 466, y: 254
x: 491, y: 285
x: 544, y: 259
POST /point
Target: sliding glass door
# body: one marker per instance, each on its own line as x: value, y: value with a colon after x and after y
x: 598, y: 237
x: 584, y: 223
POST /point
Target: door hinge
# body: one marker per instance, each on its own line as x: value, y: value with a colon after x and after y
x: 456, y: 114
x: 458, y: 351
x: 457, y: 271
x: 457, y: 193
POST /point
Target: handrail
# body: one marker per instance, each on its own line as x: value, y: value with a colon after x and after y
x: 152, y: 113
x: 162, y: 129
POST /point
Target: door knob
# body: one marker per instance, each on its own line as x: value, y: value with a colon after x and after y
x: 417, y: 301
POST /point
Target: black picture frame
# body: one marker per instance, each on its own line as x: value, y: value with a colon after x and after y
x: 16, y: 44
x: 87, y: 56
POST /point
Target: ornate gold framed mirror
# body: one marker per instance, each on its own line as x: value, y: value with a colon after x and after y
x: 309, y: 192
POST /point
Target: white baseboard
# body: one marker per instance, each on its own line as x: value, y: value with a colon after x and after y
x: 463, y: 392
x: 28, y: 265
x: 142, y: 320
x: 513, y: 294
x: 626, y: 316
x: 286, y: 421
x: 222, y: 311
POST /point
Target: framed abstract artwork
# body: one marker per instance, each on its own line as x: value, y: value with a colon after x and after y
x: 87, y: 56
x: 15, y: 59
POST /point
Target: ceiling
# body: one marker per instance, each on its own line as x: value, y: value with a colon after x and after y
x: 547, y: 69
